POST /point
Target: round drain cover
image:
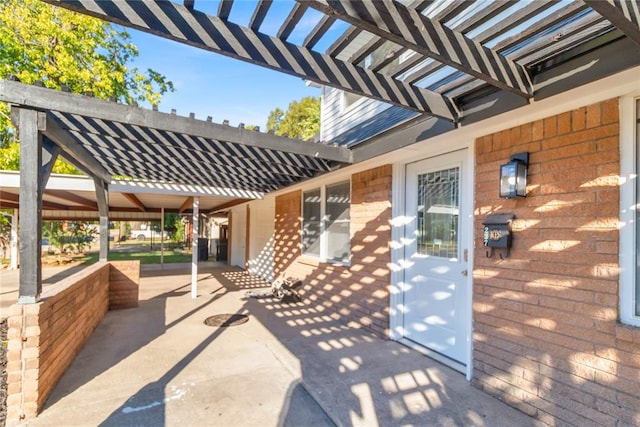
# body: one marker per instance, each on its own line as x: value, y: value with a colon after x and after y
x: 224, y: 320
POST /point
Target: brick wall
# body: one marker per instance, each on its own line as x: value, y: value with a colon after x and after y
x: 546, y: 336
x: 124, y: 279
x: 358, y: 293
x: 45, y: 337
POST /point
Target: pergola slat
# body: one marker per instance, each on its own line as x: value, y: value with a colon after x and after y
x: 625, y: 15
x: 292, y: 20
x: 259, y: 14
x: 224, y: 9
x: 343, y: 41
x: 172, y: 158
x: 492, y: 10
x: 520, y: 16
x: 210, y: 150
x: 178, y: 23
x: 318, y: 31
x: 428, y: 37
x: 75, y: 151
x: 567, y: 11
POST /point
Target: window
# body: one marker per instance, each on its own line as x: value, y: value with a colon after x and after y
x: 325, y: 222
x: 630, y: 211
x: 348, y: 99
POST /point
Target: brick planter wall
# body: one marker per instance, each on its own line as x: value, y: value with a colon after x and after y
x: 45, y: 337
x: 546, y: 335
x: 358, y: 293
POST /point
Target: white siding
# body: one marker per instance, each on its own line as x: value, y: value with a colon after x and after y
x: 238, y: 235
x: 336, y: 120
x: 261, y: 230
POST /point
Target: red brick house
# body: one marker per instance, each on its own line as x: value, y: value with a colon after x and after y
x: 395, y: 241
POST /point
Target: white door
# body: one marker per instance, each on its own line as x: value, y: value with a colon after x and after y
x: 435, y: 293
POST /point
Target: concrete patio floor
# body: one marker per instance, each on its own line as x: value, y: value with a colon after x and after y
x: 289, y: 365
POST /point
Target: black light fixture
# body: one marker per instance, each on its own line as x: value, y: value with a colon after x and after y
x: 513, y: 177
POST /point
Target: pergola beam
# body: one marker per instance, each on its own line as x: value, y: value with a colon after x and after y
x: 133, y: 199
x: 48, y: 99
x: 176, y: 22
x: 186, y: 205
x: 72, y: 197
x: 407, y: 27
x: 625, y: 15
x: 13, y: 200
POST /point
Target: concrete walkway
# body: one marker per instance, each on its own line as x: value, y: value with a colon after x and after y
x: 289, y: 365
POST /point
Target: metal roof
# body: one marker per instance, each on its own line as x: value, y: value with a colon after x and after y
x: 450, y: 62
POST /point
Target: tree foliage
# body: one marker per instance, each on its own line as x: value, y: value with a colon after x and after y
x: 301, y: 120
x: 68, y: 236
x: 59, y: 47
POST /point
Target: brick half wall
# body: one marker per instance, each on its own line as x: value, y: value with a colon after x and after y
x: 45, y: 337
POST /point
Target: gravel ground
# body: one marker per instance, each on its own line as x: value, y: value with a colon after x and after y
x: 3, y: 372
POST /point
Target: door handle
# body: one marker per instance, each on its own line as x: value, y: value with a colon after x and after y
x: 464, y: 272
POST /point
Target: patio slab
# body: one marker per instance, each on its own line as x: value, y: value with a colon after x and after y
x: 290, y: 365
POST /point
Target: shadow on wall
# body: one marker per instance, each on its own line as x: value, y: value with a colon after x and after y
x: 546, y: 333
x: 262, y: 264
x: 359, y: 292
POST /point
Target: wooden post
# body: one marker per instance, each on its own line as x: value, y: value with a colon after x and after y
x: 194, y: 246
x: 14, y: 240
x: 31, y: 187
x: 162, y: 237
x: 102, y: 197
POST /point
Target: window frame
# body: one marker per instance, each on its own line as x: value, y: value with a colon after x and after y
x: 629, y: 203
x: 324, y: 242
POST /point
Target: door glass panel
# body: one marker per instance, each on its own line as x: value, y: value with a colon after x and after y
x: 438, y: 211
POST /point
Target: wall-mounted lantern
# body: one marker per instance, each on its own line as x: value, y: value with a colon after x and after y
x: 513, y: 177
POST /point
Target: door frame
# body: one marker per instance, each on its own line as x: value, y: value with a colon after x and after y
x: 398, y: 222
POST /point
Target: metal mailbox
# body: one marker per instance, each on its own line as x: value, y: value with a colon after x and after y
x: 497, y: 232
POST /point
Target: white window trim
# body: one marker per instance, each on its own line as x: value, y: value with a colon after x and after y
x: 628, y: 206
x: 324, y: 243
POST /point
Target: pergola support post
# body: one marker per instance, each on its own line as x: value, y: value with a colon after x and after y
x: 31, y: 188
x: 162, y: 237
x: 14, y: 240
x: 102, y: 197
x: 194, y: 246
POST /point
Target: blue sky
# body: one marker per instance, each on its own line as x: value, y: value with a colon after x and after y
x: 209, y: 84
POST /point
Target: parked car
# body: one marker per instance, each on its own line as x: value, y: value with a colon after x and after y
x: 148, y: 234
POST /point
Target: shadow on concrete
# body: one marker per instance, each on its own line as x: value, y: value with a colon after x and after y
x: 360, y: 379
x: 113, y: 341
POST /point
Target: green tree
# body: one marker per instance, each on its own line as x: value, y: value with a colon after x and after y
x: 59, y: 47
x: 301, y: 120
